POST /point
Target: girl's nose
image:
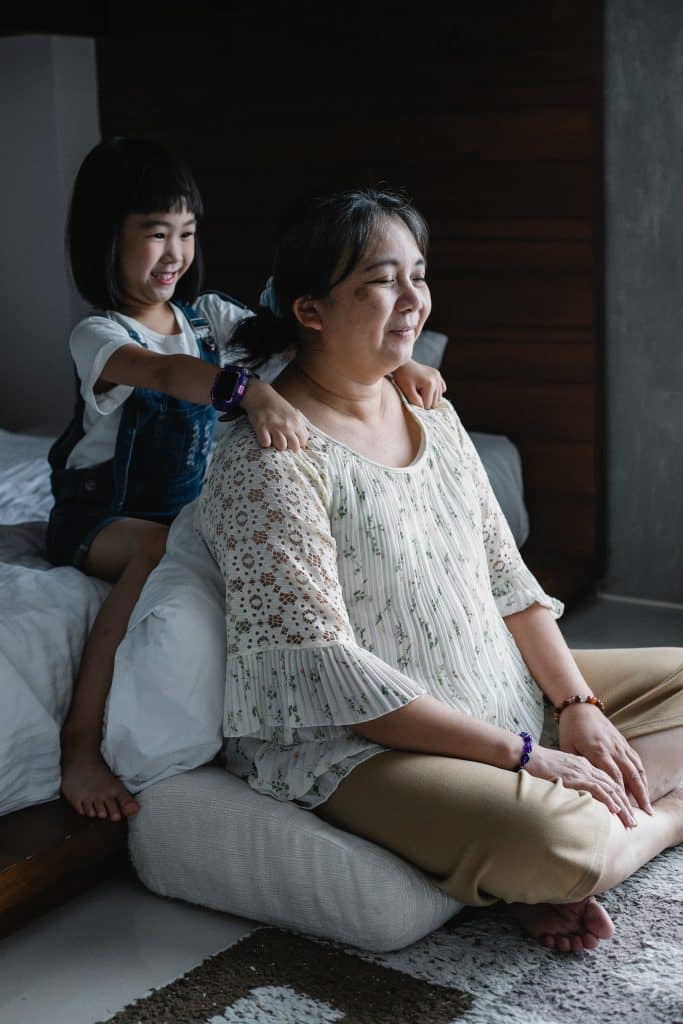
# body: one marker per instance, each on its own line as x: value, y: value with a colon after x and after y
x: 172, y: 250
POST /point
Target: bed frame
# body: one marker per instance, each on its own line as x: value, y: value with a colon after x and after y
x: 48, y: 854
x: 495, y: 130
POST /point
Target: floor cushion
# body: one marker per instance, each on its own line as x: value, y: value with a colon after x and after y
x: 206, y: 837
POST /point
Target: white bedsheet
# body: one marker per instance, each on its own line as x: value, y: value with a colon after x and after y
x: 46, y: 614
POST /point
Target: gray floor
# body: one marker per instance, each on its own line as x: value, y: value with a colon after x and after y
x: 614, y: 622
x: 86, y: 960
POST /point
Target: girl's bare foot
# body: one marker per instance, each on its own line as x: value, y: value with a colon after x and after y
x: 90, y: 787
x: 566, y: 927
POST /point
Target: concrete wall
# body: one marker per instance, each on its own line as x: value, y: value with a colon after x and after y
x: 644, y: 297
x: 48, y: 122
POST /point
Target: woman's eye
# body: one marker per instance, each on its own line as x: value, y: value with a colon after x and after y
x: 384, y: 280
x: 419, y: 280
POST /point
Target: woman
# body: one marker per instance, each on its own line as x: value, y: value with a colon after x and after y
x: 387, y: 649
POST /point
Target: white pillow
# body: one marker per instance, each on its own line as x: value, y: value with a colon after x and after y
x: 165, y: 709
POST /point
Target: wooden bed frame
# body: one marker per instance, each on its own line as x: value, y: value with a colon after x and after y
x: 494, y: 128
x: 48, y: 854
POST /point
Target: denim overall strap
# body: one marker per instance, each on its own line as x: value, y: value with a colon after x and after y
x: 163, y: 443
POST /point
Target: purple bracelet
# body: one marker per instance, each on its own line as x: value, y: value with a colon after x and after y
x: 526, y: 753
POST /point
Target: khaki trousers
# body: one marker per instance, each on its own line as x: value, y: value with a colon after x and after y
x: 485, y: 834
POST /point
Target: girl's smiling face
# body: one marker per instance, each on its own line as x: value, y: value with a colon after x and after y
x: 370, y: 321
x: 156, y: 249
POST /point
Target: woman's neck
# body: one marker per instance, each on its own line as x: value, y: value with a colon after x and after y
x: 368, y: 417
x: 347, y: 396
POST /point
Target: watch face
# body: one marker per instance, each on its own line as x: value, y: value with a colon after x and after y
x: 224, y: 387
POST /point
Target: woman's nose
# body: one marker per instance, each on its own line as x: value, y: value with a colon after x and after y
x: 410, y: 297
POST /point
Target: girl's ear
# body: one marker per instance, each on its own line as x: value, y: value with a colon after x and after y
x: 306, y: 311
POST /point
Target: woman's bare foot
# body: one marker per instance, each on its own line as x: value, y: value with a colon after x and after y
x: 566, y: 927
x: 90, y: 787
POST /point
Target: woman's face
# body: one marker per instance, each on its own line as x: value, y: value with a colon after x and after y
x: 370, y: 321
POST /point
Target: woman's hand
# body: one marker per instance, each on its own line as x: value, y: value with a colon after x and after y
x: 577, y: 772
x: 275, y: 422
x: 422, y: 385
x: 584, y: 730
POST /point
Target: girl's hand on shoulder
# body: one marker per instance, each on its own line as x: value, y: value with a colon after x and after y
x: 577, y: 772
x: 274, y: 421
x: 584, y: 730
x: 422, y: 385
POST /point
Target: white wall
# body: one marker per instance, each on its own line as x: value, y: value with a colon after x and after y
x: 48, y: 121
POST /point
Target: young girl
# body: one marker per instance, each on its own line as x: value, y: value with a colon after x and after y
x: 153, y: 363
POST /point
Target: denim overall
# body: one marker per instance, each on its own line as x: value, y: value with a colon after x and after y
x: 158, y: 466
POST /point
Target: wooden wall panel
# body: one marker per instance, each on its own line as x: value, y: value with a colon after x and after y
x: 490, y: 116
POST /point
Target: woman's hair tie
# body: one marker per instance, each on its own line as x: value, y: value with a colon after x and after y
x: 268, y: 299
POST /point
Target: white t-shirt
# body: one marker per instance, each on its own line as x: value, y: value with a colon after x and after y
x: 94, y: 340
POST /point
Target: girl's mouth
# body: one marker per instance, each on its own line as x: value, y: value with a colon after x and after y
x: 164, y: 277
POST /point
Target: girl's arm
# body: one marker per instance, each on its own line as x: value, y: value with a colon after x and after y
x: 422, y: 385
x: 273, y: 419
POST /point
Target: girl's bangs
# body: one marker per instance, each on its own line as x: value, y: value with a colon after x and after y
x: 164, y: 189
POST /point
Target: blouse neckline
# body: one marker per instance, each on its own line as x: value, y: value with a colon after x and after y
x: 410, y: 468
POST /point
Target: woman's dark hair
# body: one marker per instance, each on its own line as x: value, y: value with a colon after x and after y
x: 118, y: 177
x: 320, y: 240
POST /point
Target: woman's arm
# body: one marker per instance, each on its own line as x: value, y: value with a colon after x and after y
x: 428, y: 726
x: 583, y: 729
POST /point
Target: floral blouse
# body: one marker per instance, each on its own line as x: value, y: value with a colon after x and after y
x: 351, y: 589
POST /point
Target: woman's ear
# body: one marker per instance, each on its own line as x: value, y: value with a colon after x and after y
x: 306, y: 311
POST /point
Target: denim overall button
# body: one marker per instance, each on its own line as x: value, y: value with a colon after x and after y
x: 90, y: 485
x: 210, y: 345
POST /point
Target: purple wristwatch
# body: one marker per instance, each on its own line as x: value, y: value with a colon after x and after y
x: 229, y: 387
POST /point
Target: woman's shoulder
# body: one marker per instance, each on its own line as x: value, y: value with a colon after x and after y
x: 442, y: 418
x: 239, y: 451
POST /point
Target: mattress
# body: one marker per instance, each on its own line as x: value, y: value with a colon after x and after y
x: 46, y: 612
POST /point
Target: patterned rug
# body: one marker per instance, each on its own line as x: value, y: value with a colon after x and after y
x: 477, y: 969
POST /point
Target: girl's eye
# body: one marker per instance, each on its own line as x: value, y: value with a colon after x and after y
x: 419, y: 280
x: 188, y: 234
x: 384, y: 280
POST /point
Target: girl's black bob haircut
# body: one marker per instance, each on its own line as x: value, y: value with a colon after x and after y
x: 118, y: 177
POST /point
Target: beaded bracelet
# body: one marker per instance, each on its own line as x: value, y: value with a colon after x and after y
x: 526, y: 753
x: 590, y: 699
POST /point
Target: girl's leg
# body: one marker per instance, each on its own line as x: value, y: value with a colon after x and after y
x: 124, y: 552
